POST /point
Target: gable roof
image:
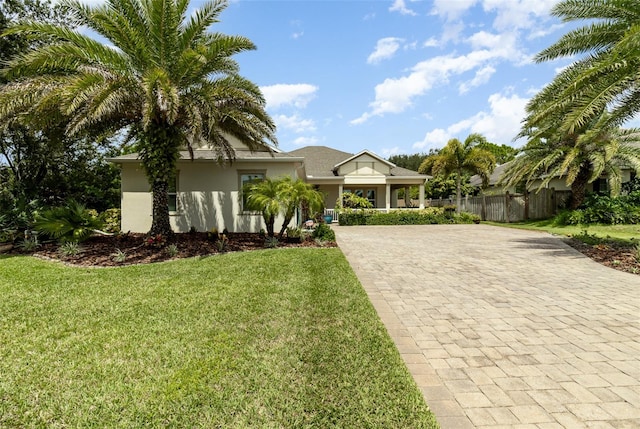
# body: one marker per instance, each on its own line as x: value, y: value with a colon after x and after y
x: 210, y: 155
x: 322, y: 161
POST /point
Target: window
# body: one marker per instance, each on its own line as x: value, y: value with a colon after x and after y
x: 247, y: 178
x: 173, y: 194
x: 371, y: 196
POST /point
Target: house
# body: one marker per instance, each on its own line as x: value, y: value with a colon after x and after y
x: 207, y: 195
x: 365, y: 174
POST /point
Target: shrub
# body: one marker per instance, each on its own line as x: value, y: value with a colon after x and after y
x: 603, y: 209
x: 353, y: 201
x: 111, y: 220
x: 29, y: 244
x: 69, y: 249
x: 119, y: 256
x: 428, y: 216
x: 271, y: 242
x: 72, y: 222
x: 172, y: 250
x: 324, y: 232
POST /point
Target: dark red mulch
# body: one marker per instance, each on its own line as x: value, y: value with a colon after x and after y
x: 612, y: 255
x: 100, y: 250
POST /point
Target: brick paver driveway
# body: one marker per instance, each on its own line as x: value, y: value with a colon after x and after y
x: 503, y: 327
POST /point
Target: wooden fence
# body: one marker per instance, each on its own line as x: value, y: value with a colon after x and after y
x: 511, y: 207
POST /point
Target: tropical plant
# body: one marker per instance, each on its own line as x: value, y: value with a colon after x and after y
x: 600, y: 148
x: 70, y: 249
x: 263, y: 196
x: 324, y: 232
x: 460, y: 158
x: 607, y: 77
x: 172, y: 250
x: 72, y: 222
x: 119, y: 256
x: 349, y: 200
x: 295, y: 194
x: 169, y: 82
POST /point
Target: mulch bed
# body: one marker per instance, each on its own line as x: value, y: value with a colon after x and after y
x: 613, y: 255
x: 99, y: 251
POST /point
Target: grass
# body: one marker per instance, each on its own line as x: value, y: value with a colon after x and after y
x: 627, y: 234
x: 267, y: 339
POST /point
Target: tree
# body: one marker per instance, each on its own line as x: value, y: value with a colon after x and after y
x: 599, y: 148
x: 40, y: 162
x: 169, y: 83
x: 295, y: 194
x: 460, y: 158
x: 503, y: 153
x: 607, y: 77
x: 410, y: 162
x: 263, y: 196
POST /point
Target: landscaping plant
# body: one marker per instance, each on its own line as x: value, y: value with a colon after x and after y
x: 72, y: 222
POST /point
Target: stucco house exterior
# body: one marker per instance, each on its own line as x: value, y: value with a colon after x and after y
x: 208, y: 195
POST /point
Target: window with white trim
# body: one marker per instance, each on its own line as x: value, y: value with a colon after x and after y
x: 246, y: 178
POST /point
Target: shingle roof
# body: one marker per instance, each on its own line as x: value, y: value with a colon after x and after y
x: 320, y: 161
x: 201, y: 154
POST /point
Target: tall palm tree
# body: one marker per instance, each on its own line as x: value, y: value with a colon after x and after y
x: 607, y: 77
x: 460, y: 158
x: 581, y: 158
x: 167, y: 80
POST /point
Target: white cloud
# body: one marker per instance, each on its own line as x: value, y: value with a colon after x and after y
x: 297, y: 35
x: 500, y: 125
x: 295, y: 123
x: 385, y: 49
x: 298, y: 95
x: 518, y: 13
x: 431, y: 43
x: 400, y: 6
x: 306, y: 141
x: 482, y: 76
x: 452, y: 9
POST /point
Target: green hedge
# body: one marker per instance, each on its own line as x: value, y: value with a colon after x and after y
x: 604, y: 209
x: 428, y: 216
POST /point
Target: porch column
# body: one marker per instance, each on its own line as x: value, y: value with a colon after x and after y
x: 421, y: 195
x: 407, y: 197
x: 340, y: 192
x: 387, y: 197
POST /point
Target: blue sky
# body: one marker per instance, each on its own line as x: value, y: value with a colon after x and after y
x: 394, y: 76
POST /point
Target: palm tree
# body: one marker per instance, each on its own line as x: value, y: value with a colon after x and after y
x: 295, y: 194
x: 459, y: 158
x: 264, y: 196
x: 607, y: 77
x: 601, y: 148
x: 167, y: 80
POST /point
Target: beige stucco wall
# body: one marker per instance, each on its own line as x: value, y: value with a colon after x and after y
x: 208, y: 196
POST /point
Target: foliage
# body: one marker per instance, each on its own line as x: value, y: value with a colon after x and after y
x: 502, y: 153
x: 172, y: 250
x: 631, y: 186
x: 271, y: 242
x: 439, y: 187
x: 18, y: 219
x: 606, y: 74
x: 323, y: 232
x: 264, y: 196
x: 28, y: 243
x: 604, y: 209
x: 119, y: 256
x: 581, y: 158
x: 169, y: 83
x: 350, y: 200
x: 294, y: 232
x: 410, y: 162
x: 70, y: 249
x: 111, y: 220
x: 428, y: 216
x: 213, y: 234
x: 71, y: 222
x: 222, y: 242
x: 157, y: 241
x: 282, y: 195
x: 461, y: 158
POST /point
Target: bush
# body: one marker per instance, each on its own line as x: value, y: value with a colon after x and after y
x: 111, y: 220
x: 72, y: 222
x: 428, y: 216
x: 324, y: 232
x: 605, y: 210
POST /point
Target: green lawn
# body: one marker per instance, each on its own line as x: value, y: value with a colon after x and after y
x: 625, y: 233
x: 269, y: 339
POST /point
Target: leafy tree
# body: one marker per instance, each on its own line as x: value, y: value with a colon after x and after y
x: 440, y: 187
x: 461, y: 158
x: 502, y: 153
x: 170, y: 83
x: 606, y: 77
x: 600, y: 148
x: 410, y: 162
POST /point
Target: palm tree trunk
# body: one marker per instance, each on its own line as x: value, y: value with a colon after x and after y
x: 579, y: 188
x: 160, y: 223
